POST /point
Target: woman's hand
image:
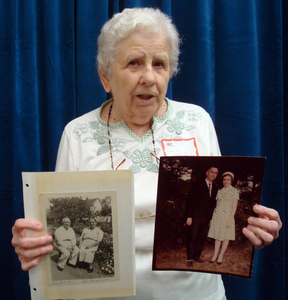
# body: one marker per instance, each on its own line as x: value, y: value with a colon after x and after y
x: 30, y: 250
x: 228, y: 224
x: 262, y: 231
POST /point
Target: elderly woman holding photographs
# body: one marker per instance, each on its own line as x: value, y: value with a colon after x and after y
x: 138, y: 53
x: 223, y: 223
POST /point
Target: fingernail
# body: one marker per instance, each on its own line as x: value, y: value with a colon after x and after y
x: 250, y: 220
x: 49, y: 239
x: 48, y: 249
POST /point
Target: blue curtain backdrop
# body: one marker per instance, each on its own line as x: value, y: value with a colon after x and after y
x: 234, y: 61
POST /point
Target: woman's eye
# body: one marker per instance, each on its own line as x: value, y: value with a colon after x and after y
x: 133, y: 63
x: 159, y: 64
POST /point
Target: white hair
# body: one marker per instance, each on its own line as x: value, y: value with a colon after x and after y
x: 128, y: 21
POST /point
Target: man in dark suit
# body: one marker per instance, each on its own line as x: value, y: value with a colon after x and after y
x: 199, y: 210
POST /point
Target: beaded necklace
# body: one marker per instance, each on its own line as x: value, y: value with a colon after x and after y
x: 110, y: 143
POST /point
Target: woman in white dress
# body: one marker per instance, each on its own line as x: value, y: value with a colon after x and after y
x: 89, y: 242
x: 223, y: 223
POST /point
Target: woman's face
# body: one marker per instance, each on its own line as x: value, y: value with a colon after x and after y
x: 92, y: 223
x: 140, y: 76
x: 227, y: 181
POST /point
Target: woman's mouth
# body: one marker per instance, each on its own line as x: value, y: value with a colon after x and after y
x: 145, y: 96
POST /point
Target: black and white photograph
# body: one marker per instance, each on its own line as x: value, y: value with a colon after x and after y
x: 84, y: 239
x: 90, y: 217
x: 201, y: 213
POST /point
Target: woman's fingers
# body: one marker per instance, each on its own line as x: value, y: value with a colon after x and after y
x: 265, y: 224
x: 41, y: 247
x: 28, y: 243
x: 20, y: 240
x: 30, y: 249
x: 30, y: 257
x: 270, y: 219
x: 29, y: 264
x: 262, y: 230
x: 23, y: 224
x: 258, y: 237
x: 255, y: 241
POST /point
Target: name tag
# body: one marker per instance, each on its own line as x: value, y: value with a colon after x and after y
x: 181, y: 147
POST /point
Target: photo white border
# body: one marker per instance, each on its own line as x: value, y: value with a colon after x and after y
x: 120, y: 181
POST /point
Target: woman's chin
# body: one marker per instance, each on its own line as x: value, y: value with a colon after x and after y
x: 148, y: 110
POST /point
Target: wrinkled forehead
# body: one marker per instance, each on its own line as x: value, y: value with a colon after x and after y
x: 143, y: 37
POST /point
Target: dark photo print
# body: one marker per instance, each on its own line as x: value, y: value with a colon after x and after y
x: 202, y: 205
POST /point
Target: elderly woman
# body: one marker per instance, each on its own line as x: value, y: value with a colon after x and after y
x: 223, y: 223
x: 89, y: 242
x: 138, y: 53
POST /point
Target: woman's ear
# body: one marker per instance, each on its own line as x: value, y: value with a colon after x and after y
x: 105, y: 81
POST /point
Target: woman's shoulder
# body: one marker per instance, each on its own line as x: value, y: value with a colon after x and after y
x: 188, y: 114
x: 234, y: 189
x: 98, y: 229
x: 87, y: 118
x: 178, y: 105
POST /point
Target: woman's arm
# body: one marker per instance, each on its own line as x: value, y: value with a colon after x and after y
x: 232, y: 214
x: 81, y: 238
x: 96, y: 243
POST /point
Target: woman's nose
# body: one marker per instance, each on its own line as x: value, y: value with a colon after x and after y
x: 148, y: 76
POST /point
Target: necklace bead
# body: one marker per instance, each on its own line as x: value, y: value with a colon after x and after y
x: 109, y: 135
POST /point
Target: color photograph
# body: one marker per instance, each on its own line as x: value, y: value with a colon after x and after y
x: 201, y: 213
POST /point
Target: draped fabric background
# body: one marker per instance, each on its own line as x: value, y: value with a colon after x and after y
x: 234, y: 61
